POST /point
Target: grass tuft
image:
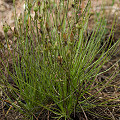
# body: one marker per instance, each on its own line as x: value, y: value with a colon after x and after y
x: 54, y: 62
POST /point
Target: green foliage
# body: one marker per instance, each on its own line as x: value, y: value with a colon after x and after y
x: 55, y: 66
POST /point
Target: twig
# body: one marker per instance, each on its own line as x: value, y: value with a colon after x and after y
x: 107, y: 8
x: 83, y: 112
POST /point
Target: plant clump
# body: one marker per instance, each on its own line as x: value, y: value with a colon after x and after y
x: 54, y: 62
